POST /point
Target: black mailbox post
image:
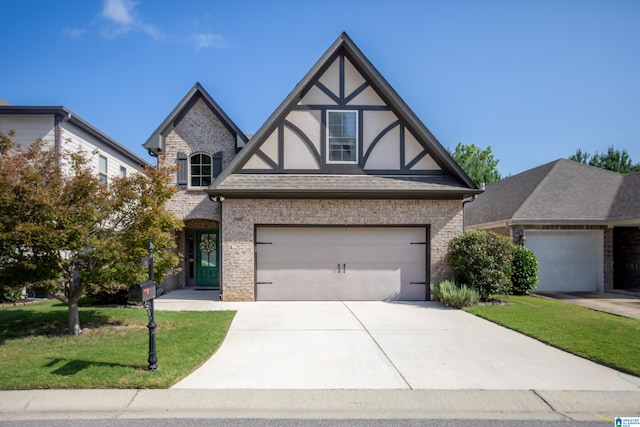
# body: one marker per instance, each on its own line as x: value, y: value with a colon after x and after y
x: 142, y: 292
x: 145, y: 293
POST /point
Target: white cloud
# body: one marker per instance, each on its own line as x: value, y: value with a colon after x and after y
x: 119, y: 11
x: 123, y: 19
x: 120, y: 18
x: 205, y: 40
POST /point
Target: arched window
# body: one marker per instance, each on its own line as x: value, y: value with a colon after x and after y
x: 197, y: 170
x: 200, y: 168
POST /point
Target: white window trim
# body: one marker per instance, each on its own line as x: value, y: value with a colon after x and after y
x: 196, y: 187
x: 103, y: 174
x: 341, y: 162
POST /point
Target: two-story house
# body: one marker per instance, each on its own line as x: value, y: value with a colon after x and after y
x: 63, y: 130
x: 342, y: 194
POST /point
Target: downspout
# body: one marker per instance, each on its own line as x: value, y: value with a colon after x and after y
x: 57, y: 135
x: 469, y: 200
x: 219, y: 199
x: 464, y: 202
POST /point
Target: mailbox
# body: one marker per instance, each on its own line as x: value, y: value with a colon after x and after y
x: 143, y: 291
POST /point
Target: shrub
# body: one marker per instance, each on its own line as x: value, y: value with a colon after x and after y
x: 524, y: 275
x: 482, y: 261
x: 451, y: 295
x: 10, y: 294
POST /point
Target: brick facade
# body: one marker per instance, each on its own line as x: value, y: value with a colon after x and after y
x: 240, y: 216
x: 199, y: 130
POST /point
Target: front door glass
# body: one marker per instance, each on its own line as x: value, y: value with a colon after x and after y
x: 207, y: 258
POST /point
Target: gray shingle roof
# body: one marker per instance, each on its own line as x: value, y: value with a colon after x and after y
x: 559, y: 191
x: 307, y: 185
x: 627, y: 200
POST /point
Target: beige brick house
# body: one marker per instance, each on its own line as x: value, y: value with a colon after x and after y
x: 343, y: 193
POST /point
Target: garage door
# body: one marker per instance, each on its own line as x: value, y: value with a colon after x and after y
x: 568, y: 260
x: 341, y: 263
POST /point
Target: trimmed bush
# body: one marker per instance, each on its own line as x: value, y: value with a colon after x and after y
x: 10, y: 294
x: 524, y: 275
x: 451, y: 295
x: 482, y: 261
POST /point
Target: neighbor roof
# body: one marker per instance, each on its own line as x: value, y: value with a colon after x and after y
x: 562, y: 191
x: 74, y: 119
x: 228, y: 183
x: 627, y: 201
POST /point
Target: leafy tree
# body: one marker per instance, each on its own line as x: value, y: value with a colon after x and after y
x: 580, y: 157
x: 479, y: 164
x: 138, y: 216
x: 47, y: 217
x: 613, y: 160
x: 61, y: 227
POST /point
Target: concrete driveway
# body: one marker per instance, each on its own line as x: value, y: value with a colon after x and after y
x: 380, y: 345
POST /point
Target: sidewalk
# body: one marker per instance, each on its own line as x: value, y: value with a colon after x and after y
x: 319, y: 404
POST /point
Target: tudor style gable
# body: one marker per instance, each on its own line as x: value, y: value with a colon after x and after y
x: 343, y: 131
x: 341, y: 124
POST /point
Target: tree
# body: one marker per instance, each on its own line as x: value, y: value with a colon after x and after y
x: 613, y: 160
x: 48, y: 210
x: 479, y: 164
x: 138, y: 216
x: 62, y: 228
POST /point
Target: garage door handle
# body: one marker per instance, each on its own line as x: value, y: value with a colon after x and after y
x: 417, y: 283
x: 344, y: 268
x: 264, y: 283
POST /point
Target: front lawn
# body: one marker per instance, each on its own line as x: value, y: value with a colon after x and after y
x: 111, y: 353
x: 611, y: 340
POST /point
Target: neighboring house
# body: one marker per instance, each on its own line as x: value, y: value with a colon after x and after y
x: 63, y: 130
x: 343, y: 194
x: 582, y: 223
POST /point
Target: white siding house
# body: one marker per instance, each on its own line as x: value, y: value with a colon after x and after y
x: 64, y: 131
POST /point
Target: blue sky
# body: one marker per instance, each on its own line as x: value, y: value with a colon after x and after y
x: 535, y: 80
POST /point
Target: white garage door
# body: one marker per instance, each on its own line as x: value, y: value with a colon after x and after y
x: 341, y: 263
x: 568, y: 260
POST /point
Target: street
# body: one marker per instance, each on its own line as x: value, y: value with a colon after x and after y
x: 190, y: 422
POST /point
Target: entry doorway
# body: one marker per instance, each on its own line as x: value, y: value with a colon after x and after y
x: 204, y: 261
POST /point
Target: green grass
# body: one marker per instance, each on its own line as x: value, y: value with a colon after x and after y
x: 611, y: 340
x: 35, y: 353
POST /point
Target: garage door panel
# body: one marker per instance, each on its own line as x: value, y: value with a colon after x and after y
x: 317, y: 290
x: 368, y: 263
x: 568, y: 260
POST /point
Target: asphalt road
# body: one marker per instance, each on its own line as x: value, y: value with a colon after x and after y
x: 186, y: 422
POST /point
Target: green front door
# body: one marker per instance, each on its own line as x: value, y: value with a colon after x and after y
x: 207, y: 271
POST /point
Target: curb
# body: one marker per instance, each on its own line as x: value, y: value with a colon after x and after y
x: 545, y: 405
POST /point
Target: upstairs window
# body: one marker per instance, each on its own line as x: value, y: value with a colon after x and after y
x: 197, y: 171
x: 102, y: 169
x: 123, y: 172
x: 200, y: 170
x: 342, y: 136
